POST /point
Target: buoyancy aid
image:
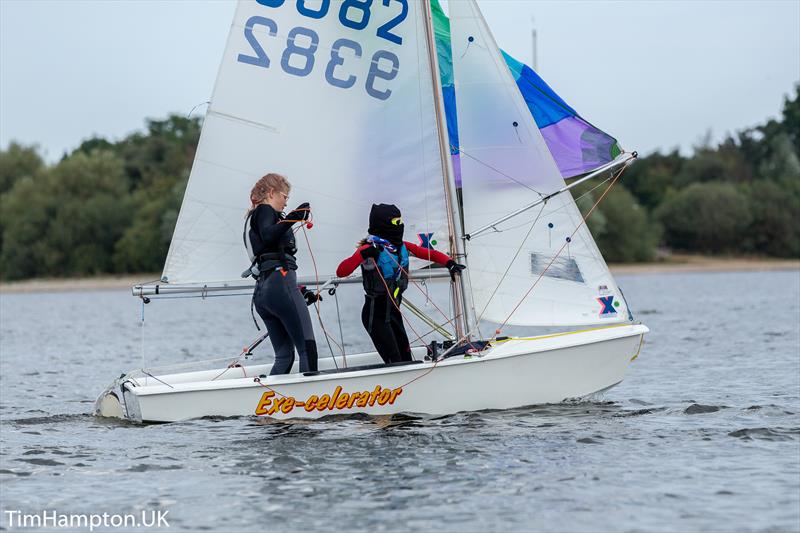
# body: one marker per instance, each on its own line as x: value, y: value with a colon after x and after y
x: 389, y: 264
x: 269, y: 259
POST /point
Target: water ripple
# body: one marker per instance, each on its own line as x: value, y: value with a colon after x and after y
x: 702, y: 435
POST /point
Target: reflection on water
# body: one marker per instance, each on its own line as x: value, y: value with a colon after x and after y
x: 703, y: 434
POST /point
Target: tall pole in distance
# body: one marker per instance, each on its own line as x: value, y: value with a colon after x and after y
x: 463, y: 312
x: 534, y: 61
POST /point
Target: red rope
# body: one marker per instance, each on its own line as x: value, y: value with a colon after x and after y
x: 563, y: 246
x: 258, y: 380
x: 394, y: 303
x: 316, y: 304
x: 582, y: 222
x: 448, y: 319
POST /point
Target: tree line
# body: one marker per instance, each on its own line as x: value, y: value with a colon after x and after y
x: 111, y: 207
x: 741, y: 197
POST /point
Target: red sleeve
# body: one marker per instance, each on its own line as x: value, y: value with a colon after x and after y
x: 428, y: 254
x: 347, y: 266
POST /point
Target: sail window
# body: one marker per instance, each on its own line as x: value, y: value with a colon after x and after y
x: 561, y: 268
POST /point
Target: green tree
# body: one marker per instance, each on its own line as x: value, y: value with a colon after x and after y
x: 705, y: 217
x: 95, y: 144
x: 620, y: 225
x: 775, y: 225
x: 791, y: 119
x: 166, y: 151
x: 724, y: 163
x: 144, y: 245
x: 651, y: 178
x: 26, y: 214
x: 18, y: 162
x: 67, y: 220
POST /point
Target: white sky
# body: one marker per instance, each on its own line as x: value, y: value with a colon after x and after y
x: 655, y: 74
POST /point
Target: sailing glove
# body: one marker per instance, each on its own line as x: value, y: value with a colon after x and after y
x: 371, y: 252
x: 300, y: 213
x: 310, y: 296
x: 454, y: 268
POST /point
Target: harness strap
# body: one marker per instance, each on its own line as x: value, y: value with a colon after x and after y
x: 371, y: 313
x: 262, y: 277
x: 246, y: 239
x: 252, y: 310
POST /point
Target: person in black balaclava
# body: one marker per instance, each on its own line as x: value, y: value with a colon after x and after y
x: 383, y: 257
x: 385, y: 221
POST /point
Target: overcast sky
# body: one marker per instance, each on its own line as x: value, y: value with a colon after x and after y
x: 656, y: 75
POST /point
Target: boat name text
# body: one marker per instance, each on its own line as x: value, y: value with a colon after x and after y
x: 272, y: 403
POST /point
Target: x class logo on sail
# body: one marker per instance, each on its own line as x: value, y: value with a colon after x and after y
x: 608, y: 304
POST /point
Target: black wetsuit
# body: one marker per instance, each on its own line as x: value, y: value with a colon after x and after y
x: 277, y: 297
x: 384, y: 323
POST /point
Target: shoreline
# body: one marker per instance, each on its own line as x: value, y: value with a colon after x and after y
x: 675, y: 265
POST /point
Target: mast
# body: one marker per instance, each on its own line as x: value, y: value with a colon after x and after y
x: 463, y: 311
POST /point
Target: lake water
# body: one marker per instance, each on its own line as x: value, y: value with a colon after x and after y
x: 703, y: 434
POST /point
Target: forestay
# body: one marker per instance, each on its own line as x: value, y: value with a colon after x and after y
x: 335, y: 94
x: 505, y: 165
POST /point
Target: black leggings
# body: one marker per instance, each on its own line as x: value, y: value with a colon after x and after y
x: 283, y: 309
x: 384, y: 323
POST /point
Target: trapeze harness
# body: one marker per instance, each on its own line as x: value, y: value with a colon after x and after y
x: 264, y: 264
x: 393, y: 268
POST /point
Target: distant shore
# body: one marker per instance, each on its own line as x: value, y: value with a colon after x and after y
x: 676, y: 264
x: 699, y: 263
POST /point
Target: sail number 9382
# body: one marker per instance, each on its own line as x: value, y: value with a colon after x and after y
x: 298, y: 57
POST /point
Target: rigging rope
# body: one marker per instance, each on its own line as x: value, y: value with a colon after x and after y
x: 510, y: 263
x: 142, y: 337
x: 328, y: 338
x: 563, y: 246
x: 487, y: 165
x: 447, y: 318
x: 556, y: 210
x: 394, y: 303
x: 530, y: 289
x: 339, y: 321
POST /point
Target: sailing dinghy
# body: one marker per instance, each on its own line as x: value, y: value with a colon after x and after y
x: 352, y: 101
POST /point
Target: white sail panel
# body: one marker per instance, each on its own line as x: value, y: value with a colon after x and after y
x: 336, y: 95
x: 506, y: 165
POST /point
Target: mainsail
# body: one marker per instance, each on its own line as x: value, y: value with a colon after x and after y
x: 338, y: 96
x: 505, y: 164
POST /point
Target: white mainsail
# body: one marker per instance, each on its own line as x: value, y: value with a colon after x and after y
x: 337, y: 97
x: 505, y: 165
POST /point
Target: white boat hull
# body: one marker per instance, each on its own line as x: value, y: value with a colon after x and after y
x: 511, y: 373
